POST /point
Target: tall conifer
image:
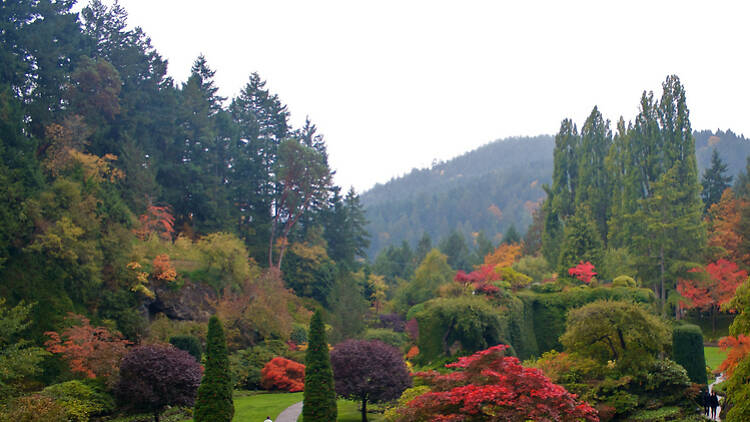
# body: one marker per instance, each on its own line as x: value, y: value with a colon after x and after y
x: 214, y: 402
x: 319, y: 396
x: 714, y: 181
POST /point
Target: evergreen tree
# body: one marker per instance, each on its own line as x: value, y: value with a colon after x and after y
x: 455, y: 248
x: 581, y: 241
x: 214, y: 401
x: 714, y: 181
x: 593, y: 185
x: 320, y: 395
x: 424, y: 246
x: 673, y: 234
x: 511, y: 235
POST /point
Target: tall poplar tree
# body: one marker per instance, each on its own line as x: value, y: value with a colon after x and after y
x: 214, y: 402
x: 319, y: 402
x: 593, y: 184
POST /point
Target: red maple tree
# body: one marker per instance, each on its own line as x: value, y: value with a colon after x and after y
x: 90, y: 351
x: 283, y: 374
x: 584, y: 271
x: 491, y: 386
x: 716, y: 290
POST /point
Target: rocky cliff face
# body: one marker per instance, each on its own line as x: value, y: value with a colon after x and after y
x: 191, y: 302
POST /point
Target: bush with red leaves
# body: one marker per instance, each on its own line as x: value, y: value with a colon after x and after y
x: 283, y: 374
x: 491, y: 386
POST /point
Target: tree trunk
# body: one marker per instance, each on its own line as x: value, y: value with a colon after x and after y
x: 364, y: 409
x: 713, y: 319
x: 156, y: 416
x: 663, y: 293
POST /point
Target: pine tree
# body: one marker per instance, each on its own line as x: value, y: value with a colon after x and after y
x: 320, y: 395
x: 714, y: 181
x: 214, y: 401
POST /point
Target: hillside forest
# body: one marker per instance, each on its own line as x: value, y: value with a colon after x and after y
x: 167, y: 253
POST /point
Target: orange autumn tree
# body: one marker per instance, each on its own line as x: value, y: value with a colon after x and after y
x: 717, y: 290
x: 283, y: 374
x: 737, y: 349
x: 93, y: 352
x: 156, y: 219
x: 724, y: 232
x: 163, y: 269
x: 504, y: 255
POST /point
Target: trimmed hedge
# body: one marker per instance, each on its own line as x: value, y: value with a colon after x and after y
x: 549, y: 310
x: 687, y: 350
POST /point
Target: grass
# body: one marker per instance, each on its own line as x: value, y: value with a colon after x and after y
x: 252, y: 406
x: 349, y: 412
x: 714, y: 357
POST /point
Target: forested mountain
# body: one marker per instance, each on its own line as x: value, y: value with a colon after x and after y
x: 487, y: 190
x: 509, y: 173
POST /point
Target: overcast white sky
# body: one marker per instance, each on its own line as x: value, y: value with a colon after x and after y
x: 396, y: 84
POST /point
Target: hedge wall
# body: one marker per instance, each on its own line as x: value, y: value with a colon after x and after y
x: 549, y: 310
x: 687, y: 350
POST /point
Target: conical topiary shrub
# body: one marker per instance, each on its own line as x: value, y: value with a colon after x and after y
x: 214, y: 402
x: 320, y: 395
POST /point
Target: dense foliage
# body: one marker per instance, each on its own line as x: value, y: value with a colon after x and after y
x: 153, y: 377
x: 369, y: 372
x: 490, y: 386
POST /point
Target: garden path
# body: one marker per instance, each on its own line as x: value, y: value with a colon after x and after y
x: 719, y: 379
x: 290, y: 414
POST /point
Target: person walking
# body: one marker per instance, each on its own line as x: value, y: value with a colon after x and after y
x: 705, y: 400
x: 714, y: 402
x: 268, y: 419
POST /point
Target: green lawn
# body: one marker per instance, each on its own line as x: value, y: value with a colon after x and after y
x: 714, y: 357
x: 252, y: 407
x: 349, y: 412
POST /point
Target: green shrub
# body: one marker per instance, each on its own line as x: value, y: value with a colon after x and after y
x: 623, y: 281
x: 549, y: 310
x: 687, y: 350
x: 387, y: 336
x: 189, y: 344
x: 81, y: 399
x: 245, y: 365
x: 299, y: 334
x: 457, y: 326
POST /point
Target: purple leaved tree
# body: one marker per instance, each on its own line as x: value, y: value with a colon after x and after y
x: 369, y: 371
x: 155, y: 376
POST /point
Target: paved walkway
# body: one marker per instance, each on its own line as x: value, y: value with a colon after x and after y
x: 290, y: 414
x: 719, y: 379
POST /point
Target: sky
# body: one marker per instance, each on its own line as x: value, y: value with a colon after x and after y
x: 396, y: 85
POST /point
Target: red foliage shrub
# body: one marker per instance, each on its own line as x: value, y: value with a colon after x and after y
x: 283, y: 374
x: 90, y: 351
x: 584, y: 271
x: 490, y: 386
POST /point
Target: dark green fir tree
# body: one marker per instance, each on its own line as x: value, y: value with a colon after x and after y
x: 214, y: 402
x: 319, y: 396
x: 714, y: 181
